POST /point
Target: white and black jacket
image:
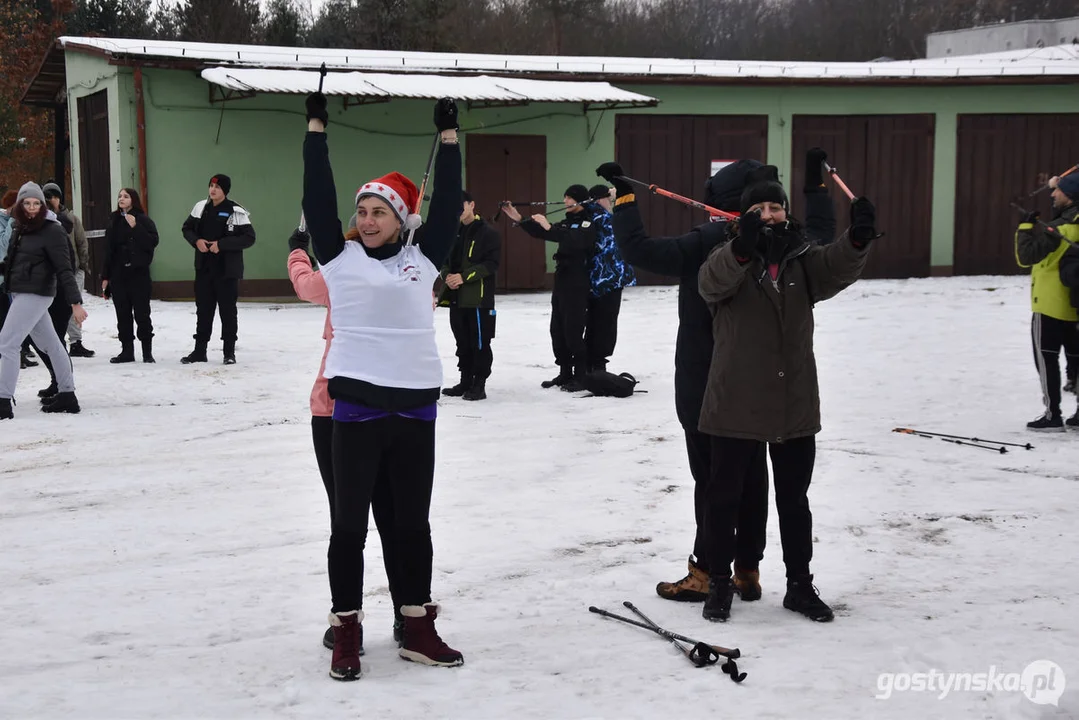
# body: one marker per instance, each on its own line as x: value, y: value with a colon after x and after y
x: 227, y: 224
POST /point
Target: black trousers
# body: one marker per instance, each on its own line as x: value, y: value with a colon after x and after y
x: 130, y: 288
x: 215, y: 293
x: 1048, y: 336
x: 399, y: 454
x: 732, y: 468
x: 473, y: 329
x: 381, y: 500
x: 601, y: 334
x: 751, y: 531
x: 569, y: 314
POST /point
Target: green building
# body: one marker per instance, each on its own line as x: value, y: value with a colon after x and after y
x: 942, y: 146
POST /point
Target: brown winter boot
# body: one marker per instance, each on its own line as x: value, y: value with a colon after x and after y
x: 692, y: 588
x: 747, y: 583
x: 345, y: 664
x: 422, y: 643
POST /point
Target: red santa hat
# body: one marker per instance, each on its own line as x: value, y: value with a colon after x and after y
x: 398, y: 192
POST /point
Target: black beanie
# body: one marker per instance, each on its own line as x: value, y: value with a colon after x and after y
x: 577, y: 193
x: 724, y: 189
x: 762, y: 185
x: 222, y: 181
x: 599, y: 192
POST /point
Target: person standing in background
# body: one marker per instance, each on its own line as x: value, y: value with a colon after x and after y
x: 54, y: 196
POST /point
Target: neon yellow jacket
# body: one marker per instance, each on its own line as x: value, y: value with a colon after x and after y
x: 1041, y: 252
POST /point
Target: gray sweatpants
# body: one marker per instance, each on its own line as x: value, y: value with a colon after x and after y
x: 74, y: 330
x: 29, y: 315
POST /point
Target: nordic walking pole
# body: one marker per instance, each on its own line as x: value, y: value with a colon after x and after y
x: 1047, y: 186
x: 1051, y: 231
x: 700, y: 655
x: 423, y: 185
x: 913, y: 431
x: 838, y: 180
x: 657, y: 190
x: 731, y: 653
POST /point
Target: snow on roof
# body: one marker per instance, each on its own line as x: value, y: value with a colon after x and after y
x: 385, y: 85
x: 1060, y: 60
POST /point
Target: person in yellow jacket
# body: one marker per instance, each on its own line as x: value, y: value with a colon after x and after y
x: 1040, y: 246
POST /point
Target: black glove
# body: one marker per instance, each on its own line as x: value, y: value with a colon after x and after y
x: 1032, y: 217
x: 745, y: 242
x: 863, y: 222
x: 299, y: 240
x: 612, y: 173
x: 316, y: 108
x: 446, y: 114
x: 815, y: 169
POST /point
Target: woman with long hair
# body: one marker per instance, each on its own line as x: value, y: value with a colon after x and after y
x: 130, y: 240
x: 384, y: 374
x: 38, y: 267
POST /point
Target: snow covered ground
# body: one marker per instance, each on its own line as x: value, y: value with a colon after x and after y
x: 163, y: 553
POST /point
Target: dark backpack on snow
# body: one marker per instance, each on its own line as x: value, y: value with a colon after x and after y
x: 606, y: 384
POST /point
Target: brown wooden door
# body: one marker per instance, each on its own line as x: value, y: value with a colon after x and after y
x: 510, y: 167
x: 676, y: 152
x: 998, y: 162
x: 887, y: 158
x: 96, y: 179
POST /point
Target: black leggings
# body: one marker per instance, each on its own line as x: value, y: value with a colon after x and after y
x: 381, y: 501
x: 396, y: 455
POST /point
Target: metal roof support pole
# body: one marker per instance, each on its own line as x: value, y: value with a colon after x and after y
x: 140, y: 129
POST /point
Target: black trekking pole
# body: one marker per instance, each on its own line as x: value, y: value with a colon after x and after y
x: 1051, y: 231
x: 914, y: 431
x: 694, y: 654
x: 731, y: 653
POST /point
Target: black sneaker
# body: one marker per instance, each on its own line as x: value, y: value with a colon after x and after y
x: 557, y: 381
x: 48, y: 392
x: 717, y: 607
x: 459, y: 389
x: 1047, y: 423
x: 78, y: 350
x: 1073, y: 421
x: 26, y: 360
x: 802, y: 597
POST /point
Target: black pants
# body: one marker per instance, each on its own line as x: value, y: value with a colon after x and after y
x: 569, y: 314
x: 399, y: 454
x: 1049, y: 335
x: 751, y: 532
x: 602, y: 332
x: 130, y: 288
x: 732, y: 469
x: 381, y: 500
x: 213, y: 292
x: 473, y: 329
x: 60, y: 312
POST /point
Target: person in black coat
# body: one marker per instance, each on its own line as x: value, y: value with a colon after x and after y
x: 37, y: 268
x: 219, y: 230
x: 682, y: 257
x: 577, y: 237
x: 130, y: 240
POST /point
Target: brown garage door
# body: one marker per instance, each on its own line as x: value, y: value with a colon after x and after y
x: 887, y: 158
x: 676, y: 152
x: 998, y: 161
x: 510, y: 167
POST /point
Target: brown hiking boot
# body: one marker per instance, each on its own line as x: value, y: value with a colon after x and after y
x: 692, y: 588
x: 747, y: 583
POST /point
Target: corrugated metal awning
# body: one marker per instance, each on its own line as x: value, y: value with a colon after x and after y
x: 373, y: 87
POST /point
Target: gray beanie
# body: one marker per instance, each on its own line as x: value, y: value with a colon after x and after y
x: 30, y: 190
x: 53, y: 189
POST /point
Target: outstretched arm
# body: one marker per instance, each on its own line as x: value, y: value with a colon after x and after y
x: 319, y: 191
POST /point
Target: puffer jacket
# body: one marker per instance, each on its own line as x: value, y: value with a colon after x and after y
x: 762, y: 384
x: 310, y: 287
x: 6, y: 227
x: 1044, y: 254
x: 41, y: 260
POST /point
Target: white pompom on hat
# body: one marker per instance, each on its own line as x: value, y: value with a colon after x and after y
x: 399, y: 193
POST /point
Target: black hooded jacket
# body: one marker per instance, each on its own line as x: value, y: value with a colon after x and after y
x: 683, y: 256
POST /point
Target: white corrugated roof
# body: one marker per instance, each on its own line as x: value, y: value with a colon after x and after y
x: 480, y: 88
x: 1061, y: 60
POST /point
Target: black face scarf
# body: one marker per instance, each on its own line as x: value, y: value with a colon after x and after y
x: 778, y: 241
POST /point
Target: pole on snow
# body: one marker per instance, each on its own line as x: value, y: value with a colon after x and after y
x: 925, y: 433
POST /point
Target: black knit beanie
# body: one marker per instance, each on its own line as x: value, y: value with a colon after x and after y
x: 577, y: 193
x: 762, y: 185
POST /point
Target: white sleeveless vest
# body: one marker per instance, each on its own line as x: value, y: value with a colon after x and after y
x: 383, y: 322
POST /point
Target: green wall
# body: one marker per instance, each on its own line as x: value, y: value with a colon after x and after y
x: 257, y: 142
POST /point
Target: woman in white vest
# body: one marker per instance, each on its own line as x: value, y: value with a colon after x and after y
x: 384, y: 375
